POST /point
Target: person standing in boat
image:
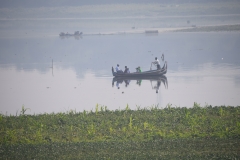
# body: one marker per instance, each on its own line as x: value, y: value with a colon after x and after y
x: 118, y: 70
x: 156, y: 63
x: 126, y: 70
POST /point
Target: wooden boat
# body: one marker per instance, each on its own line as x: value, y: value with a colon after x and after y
x: 151, y: 31
x: 156, y: 72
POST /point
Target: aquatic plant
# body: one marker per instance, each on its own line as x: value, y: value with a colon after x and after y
x: 24, y: 110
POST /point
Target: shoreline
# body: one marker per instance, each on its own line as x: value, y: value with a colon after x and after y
x: 211, y: 28
x: 156, y: 31
x: 142, y: 31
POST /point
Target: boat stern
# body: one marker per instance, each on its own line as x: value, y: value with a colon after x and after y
x: 113, y: 73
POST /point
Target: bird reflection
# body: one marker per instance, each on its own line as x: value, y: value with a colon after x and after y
x: 155, y: 81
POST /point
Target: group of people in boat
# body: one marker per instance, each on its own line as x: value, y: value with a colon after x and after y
x: 118, y: 70
x: 138, y: 69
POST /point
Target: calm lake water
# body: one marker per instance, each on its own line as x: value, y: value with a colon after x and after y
x: 51, y: 74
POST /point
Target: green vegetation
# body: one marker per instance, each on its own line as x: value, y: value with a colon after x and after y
x: 148, y: 133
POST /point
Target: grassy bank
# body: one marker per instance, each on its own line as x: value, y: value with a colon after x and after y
x: 198, y: 132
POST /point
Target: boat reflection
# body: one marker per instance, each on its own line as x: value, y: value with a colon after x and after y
x: 155, y: 81
x: 77, y: 37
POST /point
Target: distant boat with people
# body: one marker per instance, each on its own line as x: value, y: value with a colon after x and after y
x: 151, y: 31
x: 76, y: 33
x: 156, y: 72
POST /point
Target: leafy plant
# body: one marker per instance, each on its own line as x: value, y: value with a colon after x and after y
x: 24, y: 110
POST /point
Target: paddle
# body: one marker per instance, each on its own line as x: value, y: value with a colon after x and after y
x: 151, y: 67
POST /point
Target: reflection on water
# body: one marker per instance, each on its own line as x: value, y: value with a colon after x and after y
x: 77, y: 37
x: 154, y: 80
x: 48, y: 74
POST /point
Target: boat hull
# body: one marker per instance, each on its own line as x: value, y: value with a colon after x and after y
x: 159, y: 72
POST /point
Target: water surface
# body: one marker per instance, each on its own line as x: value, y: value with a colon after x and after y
x: 50, y: 74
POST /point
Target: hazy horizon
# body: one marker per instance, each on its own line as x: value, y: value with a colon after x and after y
x: 68, y: 3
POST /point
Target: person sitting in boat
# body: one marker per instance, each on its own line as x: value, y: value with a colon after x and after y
x: 156, y: 63
x: 118, y: 70
x: 126, y: 70
x: 138, y: 69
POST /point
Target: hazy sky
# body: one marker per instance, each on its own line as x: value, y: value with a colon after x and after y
x: 57, y: 3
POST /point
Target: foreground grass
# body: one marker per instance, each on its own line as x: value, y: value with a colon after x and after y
x: 197, y: 132
x: 157, y: 149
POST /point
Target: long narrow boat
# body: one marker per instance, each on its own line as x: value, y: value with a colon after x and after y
x: 156, y: 72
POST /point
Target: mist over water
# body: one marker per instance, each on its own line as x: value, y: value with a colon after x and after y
x: 48, y: 73
x: 114, y: 18
x: 80, y: 75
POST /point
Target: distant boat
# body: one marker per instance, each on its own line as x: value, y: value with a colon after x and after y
x: 76, y: 33
x: 151, y: 31
x: 157, y: 72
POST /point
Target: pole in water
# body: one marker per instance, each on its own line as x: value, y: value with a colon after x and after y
x: 52, y: 67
